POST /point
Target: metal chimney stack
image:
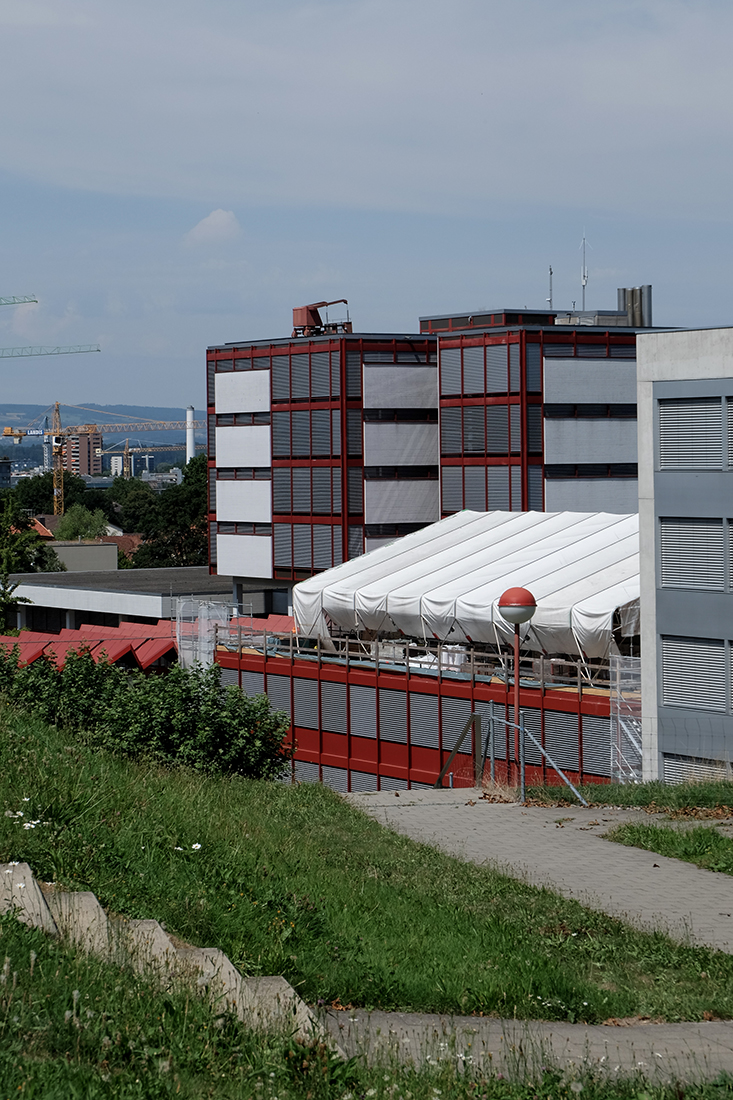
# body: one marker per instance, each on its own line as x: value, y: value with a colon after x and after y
x: 636, y: 302
x: 190, y: 437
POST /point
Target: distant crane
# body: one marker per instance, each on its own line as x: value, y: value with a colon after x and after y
x: 11, y: 353
x: 59, y: 435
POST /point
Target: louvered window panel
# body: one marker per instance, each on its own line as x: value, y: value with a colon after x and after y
x: 229, y: 677
x: 321, y: 433
x: 558, y: 351
x: 694, y: 673
x: 363, y: 781
x: 338, y: 544
x: 336, y: 488
x: 691, y: 434
x: 281, y: 493
x: 497, y: 488
x: 561, y: 738
x: 321, y: 490
x: 515, y: 473
x: 211, y: 434
x: 532, y: 719
x: 474, y: 430
x: 333, y: 707
x: 451, y: 442
x: 322, y: 555
x: 450, y: 371
x: 305, y: 772
x: 280, y: 378
x: 690, y: 769
x: 533, y: 360
x: 596, y: 745
x: 475, y: 488
x: 211, y: 382
x: 691, y: 554
x: 335, y: 778
x: 320, y: 375
x: 212, y: 544
x: 281, y: 434
x: 484, y: 708
x: 514, y: 373
x: 302, y: 490
x: 424, y: 720
x: 353, y: 374
x: 299, y: 378
x: 496, y: 368
x: 363, y: 711
x: 391, y: 783
x: 454, y: 714
x: 353, y: 432
x: 302, y: 555
x: 515, y: 423
x: 335, y: 373
x: 452, y: 488
x: 534, y: 429
x: 393, y: 715
x: 278, y: 692
x: 301, y: 445
x: 253, y: 683
x: 283, y: 550
x: 356, y: 541
x: 497, y: 429
x: 356, y: 490
x: 473, y: 371
x: 591, y: 351
x: 212, y: 490
x: 535, y: 502
x: 305, y: 697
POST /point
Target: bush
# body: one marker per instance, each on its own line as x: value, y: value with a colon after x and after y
x: 182, y: 718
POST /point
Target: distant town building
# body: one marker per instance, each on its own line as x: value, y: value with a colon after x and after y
x: 82, y: 453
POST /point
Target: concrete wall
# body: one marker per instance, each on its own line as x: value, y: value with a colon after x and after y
x: 81, y: 556
x: 244, y: 555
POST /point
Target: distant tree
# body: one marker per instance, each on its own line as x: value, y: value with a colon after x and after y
x: 9, y: 605
x: 134, y: 505
x: 175, y: 533
x: 79, y: 522
x: 21, y: 548
x: 35, y: 494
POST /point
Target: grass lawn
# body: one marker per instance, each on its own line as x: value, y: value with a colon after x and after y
x: 709, y: 799
x: 293, y: 881
x: 701, y: 844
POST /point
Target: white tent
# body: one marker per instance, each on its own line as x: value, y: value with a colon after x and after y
x: 445, y: 581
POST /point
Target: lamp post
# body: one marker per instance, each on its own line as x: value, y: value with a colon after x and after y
x: 517, y: 605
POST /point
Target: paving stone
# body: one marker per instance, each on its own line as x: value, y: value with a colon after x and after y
x: 20, y: 893
x: 80, y: 919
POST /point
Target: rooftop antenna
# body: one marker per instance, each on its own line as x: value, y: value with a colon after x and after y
x: 549, y: 300
x: 583, y: 271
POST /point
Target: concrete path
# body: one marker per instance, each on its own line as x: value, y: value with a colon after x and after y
x: 564, y: 848
x: 659, y: 1052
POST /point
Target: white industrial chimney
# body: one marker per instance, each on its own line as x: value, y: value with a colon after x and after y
x: 190, y: 439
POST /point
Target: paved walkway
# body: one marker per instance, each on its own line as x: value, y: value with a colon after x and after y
x: 564, y: 848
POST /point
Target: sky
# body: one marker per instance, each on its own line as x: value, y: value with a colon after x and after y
x: 181, y: 173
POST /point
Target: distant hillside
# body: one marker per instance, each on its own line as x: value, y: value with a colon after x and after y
x: 21, y: 416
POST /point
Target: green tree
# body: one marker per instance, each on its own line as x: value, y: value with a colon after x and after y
x: 79, y: 522
x: 9, y: 604
x: 175, y: 533
x: 35, y: 494
x: 22, y: 550
x: 134, y: 505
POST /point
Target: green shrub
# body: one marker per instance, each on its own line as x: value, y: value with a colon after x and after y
x: 181, y: 718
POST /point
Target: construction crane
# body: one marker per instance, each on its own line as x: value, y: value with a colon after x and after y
x: 156, y: 448
x: 59, y: 435
x: 10, y: 353
x: 307, y: 320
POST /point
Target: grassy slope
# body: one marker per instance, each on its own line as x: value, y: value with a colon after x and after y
x: 712, y: 795
x: 701, y: 844
x: 294, y: 881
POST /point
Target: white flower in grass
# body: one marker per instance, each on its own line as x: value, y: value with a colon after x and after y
x: 178, y: 849
x: 196, y: 848
x: 26, y: 799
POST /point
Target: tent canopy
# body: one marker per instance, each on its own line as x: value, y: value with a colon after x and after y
x: 445, y: 581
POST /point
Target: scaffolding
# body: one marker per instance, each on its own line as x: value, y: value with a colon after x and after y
x: 626, y: 754
x: 198, y: 622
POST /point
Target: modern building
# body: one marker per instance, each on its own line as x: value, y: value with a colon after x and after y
x: 330, y: 443
x: 82, y: 453
x: 685, y: 400
x: 320, y: 447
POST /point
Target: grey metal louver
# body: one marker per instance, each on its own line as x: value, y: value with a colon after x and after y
x: 691, y: 434
x: 561, y: 738
x: 473, y: 370
x: 333, y: 706
x: 392, y: 715
x: 278, y: 692
x: 305, y: 697
x: 424, y: 720
x: 450, y: 371
x: 596, y: 745
x: 694, y: 673
x: 452, y: 488
x: 692, y: 553
x: 363, y: 711
x: 253, y: 683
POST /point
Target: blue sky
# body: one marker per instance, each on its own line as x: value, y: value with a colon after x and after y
x: 180, y: 174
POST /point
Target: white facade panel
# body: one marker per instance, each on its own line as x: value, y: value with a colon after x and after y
x: 590, y: 381
x: 243, y: 391
x: 395, y: 387
x: 401, y: 501
x: 584, y: 440
x: 247, y: 446
x: 244, y: 501
x: 394, y: 444
x: 244, y: 555
x: 618, y: 495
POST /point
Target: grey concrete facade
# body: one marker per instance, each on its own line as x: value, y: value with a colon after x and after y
x: 685, y: 367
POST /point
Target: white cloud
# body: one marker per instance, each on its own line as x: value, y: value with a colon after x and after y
x: 217, y: 227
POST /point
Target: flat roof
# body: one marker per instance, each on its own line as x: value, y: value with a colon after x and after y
x: 324, y: 336
x: 191, y: 580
